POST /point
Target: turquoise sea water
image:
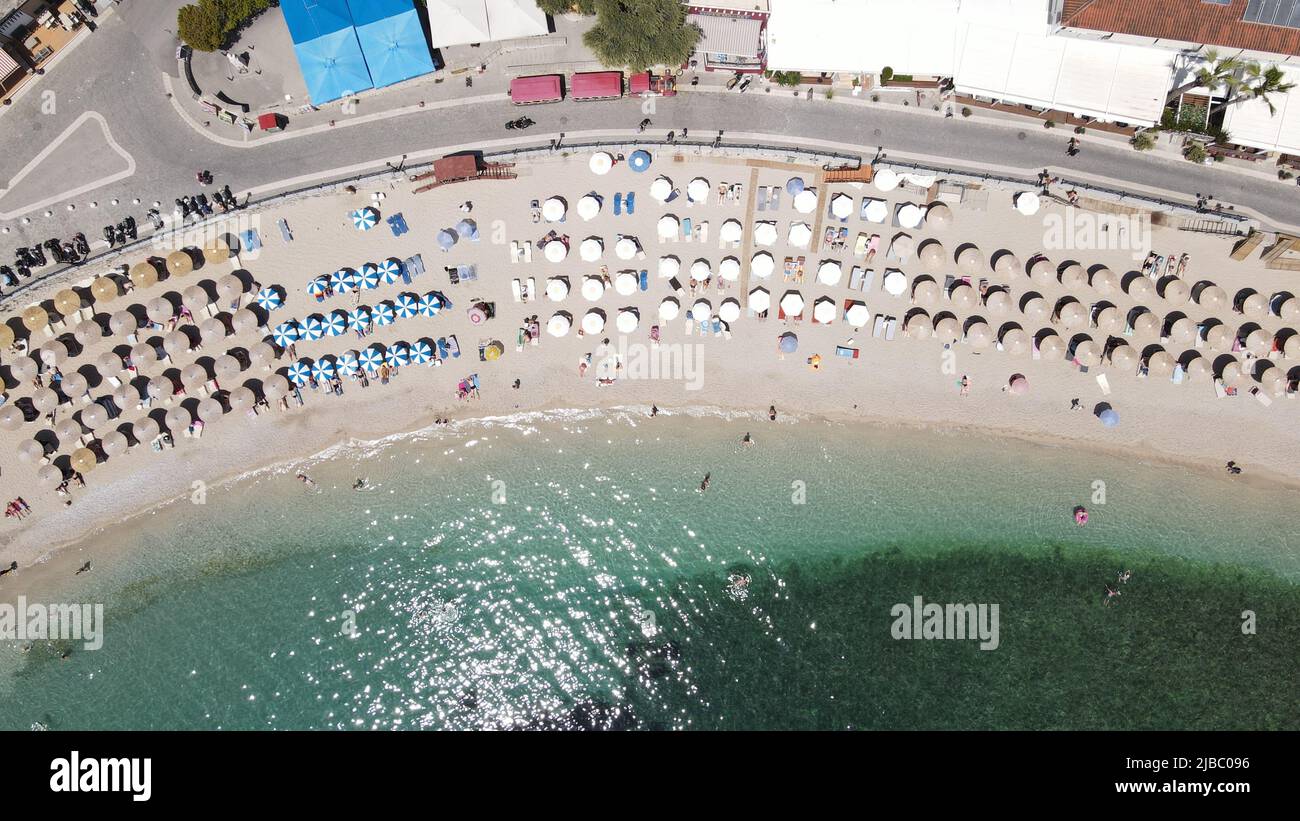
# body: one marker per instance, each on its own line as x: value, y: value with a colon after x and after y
x: 570, y: 574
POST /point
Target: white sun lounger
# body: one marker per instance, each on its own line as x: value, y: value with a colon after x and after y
x: 532, y: 289
x: 515, y: 290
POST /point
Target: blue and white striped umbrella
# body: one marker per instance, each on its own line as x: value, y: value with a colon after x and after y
x: 399, y: 353
x: 390, y: 271
x: 269, y: 298
x: 383, y: 313
x: 286, y: 333
x: 343, y: 280
x: 336, y: 323
x: 365, y: 218
x: 318, y: 285
x: 421, y: 352
x: 300, y: 372
x: 348, y: 363
x: 359, y: 317
x: 406, y: 306
x: 371, y: 358
x: 369, y: 276
x: 430, y: 304
x: 313, y: 327
x: 323, y: 370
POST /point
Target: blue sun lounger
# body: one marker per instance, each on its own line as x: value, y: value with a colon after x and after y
x: 631, y: 203
x: 645, y: 280
x: 397, y: 223
x: 249, y: 240
x: 618, y: 204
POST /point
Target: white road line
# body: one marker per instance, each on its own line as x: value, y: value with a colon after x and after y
x: 49, y: 149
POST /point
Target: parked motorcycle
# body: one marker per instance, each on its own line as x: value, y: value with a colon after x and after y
x: 83, y: 247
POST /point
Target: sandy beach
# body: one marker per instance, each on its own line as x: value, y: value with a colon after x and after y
x: 904, y: 381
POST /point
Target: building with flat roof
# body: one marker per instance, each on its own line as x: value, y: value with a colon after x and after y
x: 733, y: 34
x: 463, y: 22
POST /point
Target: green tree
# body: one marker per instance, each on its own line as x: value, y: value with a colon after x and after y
x: 566, y: 6
x: 638, y: 34
x: 208, y: 26
x: 1217, y: 72
x: 1258, y: 84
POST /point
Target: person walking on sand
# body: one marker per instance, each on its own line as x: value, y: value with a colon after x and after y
x: 965, y: 385
x: 654, y: 411
x: 771, y: 413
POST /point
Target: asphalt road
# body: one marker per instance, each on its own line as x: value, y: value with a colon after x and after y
x: 117, y: 72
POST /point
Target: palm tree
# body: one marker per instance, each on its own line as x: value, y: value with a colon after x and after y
x: 1258, y: 84
x: 1217, y: 72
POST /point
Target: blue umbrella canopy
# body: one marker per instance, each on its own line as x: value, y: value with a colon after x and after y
x: 369, y: 276
x: 383, y: 313
x: 467, y: 229
x: 430, y: 304
x: 371, y: 358
x: 349, y: 363
x: 335, y: 323
x: 365, y: 218
x: 270, y: 298
x: 406, y: 306
x: 421, y: 352
x: 399, y: 353
x: 313, y: 327
x: 342, y: 280
x: 789, y: 342
x: 639, y: 160
x: 300, y: 372
x: 286, y: 333
x: 794, y: 185
x: 390, y: 271
x: 323, y: 369
x: 446, y: 239
x: 359, y: 317
x: 318, y: 285
x: 1109, y: 417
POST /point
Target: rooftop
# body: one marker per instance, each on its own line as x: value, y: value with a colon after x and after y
x: 1208, y: 22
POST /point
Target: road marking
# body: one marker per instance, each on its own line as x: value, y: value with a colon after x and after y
x: 49, y: 149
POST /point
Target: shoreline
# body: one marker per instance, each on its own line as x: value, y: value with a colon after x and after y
x: 56, y: 559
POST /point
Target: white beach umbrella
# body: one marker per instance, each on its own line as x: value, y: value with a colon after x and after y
x: 1124, y: 356
x: 857, y: 315
x: 1231, y: 373
x: 558, y: 325
x: 916, y: 325
x: 600, y: 163
x: 1273, y: 381
x: 557, y: 289
x: 1181, y: 330
x: 1042, y: 271
x: 553, y: 209
x: 593, y: 288
x: 876, y: 211
x: 625, y: 248
x: 1086, y: 353
x: 1159, y: 364
x: 1258, y: 342
x: 669, y: 266
x: 1028, y: 203
x: 1072, y: 314
x: 626, y: 321
x: 886, y: 179
x: 946, y: 328
x: 1289, y: 309
x: 698, y: 190
x: 800, y: 234
x: 895, y: 283
x: 1140, y: 288
x: 729, y: 310
x: 830, y: 273
x: 700, y: 270
x: 805, y: 202
x: 588, y: 207
x: 824, y: 310
x: 765, y: 233
x: 1008, y: 265
x: 842, y: 206
x: 661, y: 189
x: 1198, y: 369
x: 729, y: 269
x: 668, y: 226
x: 761, y: 265
x: 792, y: 303
x: 1219, y: 337
x: 939, y: 216
x: 1015, y: 341
x: 591, y: 249
x: 1035, y: 307
x: 1291, y: 350
x: 555, y: 251
x: 1146, y: 325
x: 731, y: 231
x: 1051, y: 346
x: 920, y: 179
x: 932, y: 256
x: 910, y: 215
x: 593, y: 322
x: 669, y: 308
x: 759, y: 300
x: 625, y: 283
x: 701, y: 309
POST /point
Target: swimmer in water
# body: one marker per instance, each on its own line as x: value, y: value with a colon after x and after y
x: 84, y: 568
x: 306, y: 480
x: 359, y: 484
x: 747, y: 440
x: 705, y: 484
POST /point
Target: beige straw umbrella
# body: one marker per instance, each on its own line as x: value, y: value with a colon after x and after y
x: 998, y: 302
x: 1007, y: 265
x: 1254, y: 306
x: 11, y: 417
x: 1160, y: 365
x: 275, y: 387
x: 939, y: 216
x: 244, y: 320
x: 24, y: 368
x: 230, y: 286
x: 67, y: 302
x: 216, y: 251
x: 35, y: 318
x: 1140, y: 287
x: 104, y: 289
x: 1072, y: 314
x: 143, y: 275
x: 210, y: 410
x: 1291, y: 349
x: 1051, y: 346
x: 226, y: 366
x: 1182, y: 330
x: 30, y: 451
x: 242, y: 399
x: 212, y: 330
x: 262, y: 354
x: 1073, y: 277
x: 1015, y: 341
x: 933, y: 256
x: 1035, y: 307
x: 1177, y: 292
x: 1124, y: 357
x: 1219, y: 337
x: 1231, y: 373
x: 1146, y: 325
x: 74, y: 385
x: 1108, y: 319
x: 925, y: 292
x: 1105, y: 281
x: 1042, y: 271
x: 114, y: 443
x: 123, y: 323
x: 1259, y: 342
x: 946, y: 328
x: 49, y: 477
x: 45, y: 400
x: 1198, y: 368
x: 1086, y: 353
x: 193, y: 377
x: 963, y: 296
x: 84, y: 460
x: 178, y: 419
x: 1212, y: 297
x: 145, y: 430
x: 1273, y: 380
x: 176, y: 343
x: 918, y: 326
x: 6, y: 336
x: 1289, y: 310
x: 179, y: 263
x: 971, y: 260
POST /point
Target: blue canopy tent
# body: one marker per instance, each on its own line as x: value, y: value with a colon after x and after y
x: 326, y: 45
x: 392, y: 39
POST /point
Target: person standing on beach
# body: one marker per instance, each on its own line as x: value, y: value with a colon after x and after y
x: 771, y: 412
x: 965, y: 385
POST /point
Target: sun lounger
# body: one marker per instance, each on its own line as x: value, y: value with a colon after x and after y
x: 855, y: 279
x: 677, y: 287
x: 891, y: 325
x: 762, y: 198
x: 702, y: 231
x: 249, y: 241
x: 453, y: 346
x: 645, y: 280
x: 847, y: 353
x: 1177, y: 377
x: 775, y: 202
x: 516, y: 291
x: 1261, y: 396
x: 531, y: 291
x: 286, y: 234
x: 631, y: 203
x: 879, y: 327
x: 686, y: 228
x: 1104, y: 384
x: 868, y: 279
x: 873, y: 245
x: 618, y: 204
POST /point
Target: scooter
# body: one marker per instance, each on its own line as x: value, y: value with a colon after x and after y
x: 55, y: 249
x: 745, y: 85
x: 120, y: 235
x: 732, y: 82
x: 83, y: 247
x: 24, y: 271
x: 110, y: 236
x: 70, y: 253
x: 129, y: 223
x: 204, y: 205
x: 7, y: 274
x: 229, y: 197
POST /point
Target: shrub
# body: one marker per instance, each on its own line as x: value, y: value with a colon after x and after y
x: 565, y: 6
x: 886, y: 74
x: 830, y: 93
x: 875, y: 98
x: 965, y: 111
x: 1195, y: 152
x: 1049, y: 124
x: 1143, y: 141
x: 208, y: 26
x: 1078, y: 129
x: 785, y: 78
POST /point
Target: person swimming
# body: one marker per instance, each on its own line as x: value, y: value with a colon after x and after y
x: 747, y: 440
x: 84, y: 568
x: 359, y: 484
x: 705, y: 484
x: 306, y: 480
